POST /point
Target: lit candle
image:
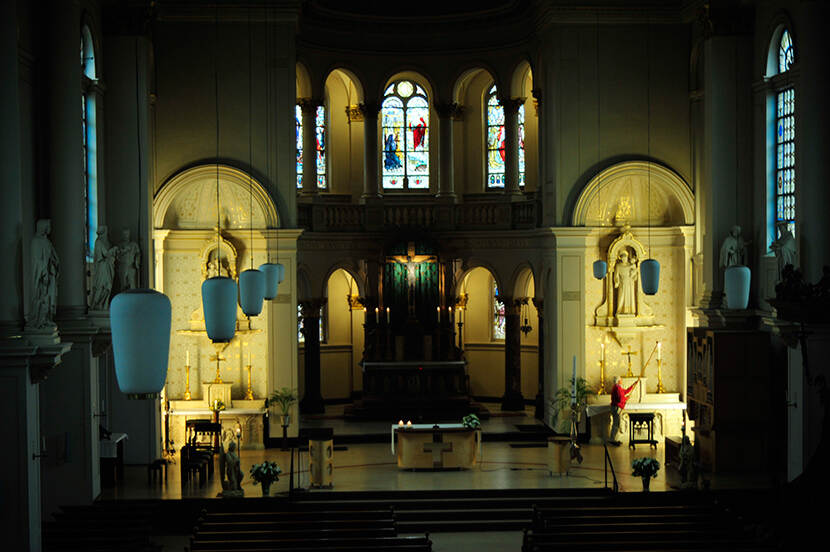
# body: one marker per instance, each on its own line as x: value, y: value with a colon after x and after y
x: 376, y: 315
x: 602, y: 352
x: 659, y: 351
x: 438, y: 311
x: 187, y: 362
x: 364, y: 315
x: 409, y: 423
x: 574, y: 380
x: 387, y: 315
x: 452, y: 316
x: 400, y: 423
x: 249, y: 358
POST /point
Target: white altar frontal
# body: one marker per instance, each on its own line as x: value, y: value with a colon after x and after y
x: 243, y: 414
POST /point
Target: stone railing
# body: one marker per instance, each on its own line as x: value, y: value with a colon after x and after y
x: 479, y: 214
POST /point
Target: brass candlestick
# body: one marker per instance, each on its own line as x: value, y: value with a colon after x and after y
x: 660, y: 388
x: 249, y: 394
x: 601, y: 390
x: 187, y: 396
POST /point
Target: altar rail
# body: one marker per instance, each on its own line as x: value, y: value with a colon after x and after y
x: 333, y: 214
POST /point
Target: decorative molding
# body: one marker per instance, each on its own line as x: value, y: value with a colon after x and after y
x: 369, y: 109
x: 511, y: 105
x: 452, y: 110
x: 354, y: 114
x: 309, y: 105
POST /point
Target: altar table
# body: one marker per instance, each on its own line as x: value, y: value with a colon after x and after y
x: 111, y: 453
x: 442, y: 447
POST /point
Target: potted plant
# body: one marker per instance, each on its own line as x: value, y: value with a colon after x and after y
x: 471, y: 421
x: 265, y: 474
x: 645, y: 468
x: 563, y: 400
x: 285, y: 398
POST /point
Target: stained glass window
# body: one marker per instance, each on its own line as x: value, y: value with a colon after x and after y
x: 298, y: 125
x: 322, y: 146
x: 89, y: 141
x: 498, y: 314
x: 495, y: 140
x: 785, y: 139
x: 405, y: 131
x: 521, y: 118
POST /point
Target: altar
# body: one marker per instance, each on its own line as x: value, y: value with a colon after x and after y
x: 435, y: 447
x: 246, y: 415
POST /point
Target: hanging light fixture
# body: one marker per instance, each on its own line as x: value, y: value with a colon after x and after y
x: 600, y: 266
x: 649, y: 268
x: 140, y: 321
x: 737, y: 278
x: 251, y: 281
x: 218, y: 292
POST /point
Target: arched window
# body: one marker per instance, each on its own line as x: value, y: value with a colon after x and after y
x: 321, y: 147
x: 495, y: 140
x: 405, y: 124
x: 498, y: 313
x: 89, y: 141
x: 785, y: 184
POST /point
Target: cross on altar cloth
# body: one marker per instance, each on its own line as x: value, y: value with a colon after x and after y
x: 437, y: 447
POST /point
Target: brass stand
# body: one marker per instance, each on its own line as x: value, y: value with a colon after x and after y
x: 601, y: 390
x: 660, y: 388
x: 249, y: 394
x: 187, y: 396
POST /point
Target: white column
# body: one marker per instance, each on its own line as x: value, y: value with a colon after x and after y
x: 446, y: 115
x: 371, y: 153
x: 11, y: 273
x: 308, y: 107
x: 65, y: 163
x: 511, y: 145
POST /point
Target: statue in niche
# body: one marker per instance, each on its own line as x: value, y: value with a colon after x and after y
x: 733, y: 249
x: 217, y: 267
x: 129, y: 261
x: 784, y: 247
x: 103, y: 270
x: 45, y: 270
x: 625, y: 281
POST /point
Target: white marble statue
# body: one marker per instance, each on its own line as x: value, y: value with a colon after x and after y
x: 733, y: 249
x: 103, y: 271
x: 784, y: 247
x: 129, y: 261
x: 45, y: 270
x: 625, y: 280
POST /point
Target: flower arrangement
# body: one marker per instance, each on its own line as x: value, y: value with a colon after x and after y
x: 645, y: 467
x: 265, y: 473
x: 217, y: 405
x: 471, y: 421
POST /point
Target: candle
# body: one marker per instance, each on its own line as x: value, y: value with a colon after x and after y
x: 387, y: 315
x: 376, y: 315
x: 364, y: 315
x: 659, y: 351
x: 452, y: 316
x: 602, y: 352
x: 249, y: 358
x: 409, y: 423
x: 438, y: 312
x: 188, y: 358
x: 574, y: 380
x: 400, y: 423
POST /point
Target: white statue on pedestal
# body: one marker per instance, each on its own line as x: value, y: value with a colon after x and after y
x: 733, y: 249
x: 625, y: 280
x: 129, y: 261
x: 45, y: 270
x: 103, y: 271
x: 784, y: 247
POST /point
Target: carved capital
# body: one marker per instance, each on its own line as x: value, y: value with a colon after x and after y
x: 540, y: 306
x: 355, y: 302
x: 369, y: 109
x: 537, y: 99
x: 309, y: 105
x: 511, y: 105
x: 354, y: 114
x: 452, y: 110
x: 311, y: 307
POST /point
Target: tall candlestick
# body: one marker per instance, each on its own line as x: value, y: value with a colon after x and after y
x: 376, y: 315
x: 387, y: 315
x: 249, y: 393
x: 659, y: 351
x: 187, y: 395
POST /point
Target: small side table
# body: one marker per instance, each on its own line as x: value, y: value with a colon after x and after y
x: 639, y: 422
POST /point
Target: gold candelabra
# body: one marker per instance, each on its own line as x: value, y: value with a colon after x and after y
x: 660, y: 388
x: 187, y: 396
x: 249, y: 394
x: 601, y: 390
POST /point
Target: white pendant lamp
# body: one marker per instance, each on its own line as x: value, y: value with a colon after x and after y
x: 649, y: 268
x: 274, y: 274
x: 219, y: 292
x: 600, y: 269
x: 140, y: 321
x: 251, y: 281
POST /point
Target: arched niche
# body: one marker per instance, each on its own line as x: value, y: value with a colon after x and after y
x: 635, y: 193
x: 188, y: 200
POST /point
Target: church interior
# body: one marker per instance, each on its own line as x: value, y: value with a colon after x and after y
x: 460, y: 272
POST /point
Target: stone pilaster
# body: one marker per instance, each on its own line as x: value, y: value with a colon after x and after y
x: 371, y: 153
x: 312, y: 401
x: 540, y: 333
x: 512, y: 399
x: 511, y: 144
x: 447, y: 113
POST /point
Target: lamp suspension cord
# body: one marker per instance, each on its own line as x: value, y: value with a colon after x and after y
x: 599, y: 128
x: 736, y: 130
x: 648, y: 123
x: 138, y: 143
x: 216, y: 97
x: 250, y: 133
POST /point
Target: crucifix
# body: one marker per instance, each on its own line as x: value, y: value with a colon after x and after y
x: 217, y: 356
x: 437, y: 447
x: 411, y: 260
x: 628, y: 353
